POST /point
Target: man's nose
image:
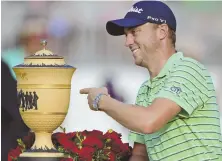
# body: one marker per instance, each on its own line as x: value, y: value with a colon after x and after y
x: 129, y: 40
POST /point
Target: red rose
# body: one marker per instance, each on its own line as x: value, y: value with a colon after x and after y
x: 112, y: 135
x: 84, y: 133
x: 66, y: 159
x: 125, y: 147
x: 118, y: 146
x: 112, y: 156
x: 66, y: 143
x: 9, y: 157
x: 124, y: 151
x: 75, y: 149
x: 86, y: 153
x: 95, y: 133
x: 14, y: 153
x: 93, y: 141
x: 29, y: 140
x: 60, y: 134
x: 115, y: 147
x: 71, y: 135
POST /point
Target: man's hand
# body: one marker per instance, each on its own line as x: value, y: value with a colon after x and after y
x: 139, y: 153
x: 92, y: 93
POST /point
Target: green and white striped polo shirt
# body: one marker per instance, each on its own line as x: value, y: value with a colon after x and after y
x: 194, y: 134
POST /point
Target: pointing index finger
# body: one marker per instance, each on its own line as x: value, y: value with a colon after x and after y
x: 84, y: 90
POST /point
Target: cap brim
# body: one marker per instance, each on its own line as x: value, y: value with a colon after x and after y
x: 116, y: 27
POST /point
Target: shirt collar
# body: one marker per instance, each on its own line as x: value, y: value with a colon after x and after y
x: 168, y: 66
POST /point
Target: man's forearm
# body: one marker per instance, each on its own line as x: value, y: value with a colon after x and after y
x: 138, y: 158
x: 128, y: 115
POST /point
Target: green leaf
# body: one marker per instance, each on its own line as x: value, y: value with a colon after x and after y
x: 103, y: 157
x: 81, y: 137
x: 19, y: 141
x: 13, y: 158
x: 76, y: 140
x: 21, y: 144
x: 61, y: 149
x: 63, y: 129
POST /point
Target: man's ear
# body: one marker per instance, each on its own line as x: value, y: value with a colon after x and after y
x: 163, y: 31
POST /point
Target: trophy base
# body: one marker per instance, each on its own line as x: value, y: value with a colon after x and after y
x: 41, y: 156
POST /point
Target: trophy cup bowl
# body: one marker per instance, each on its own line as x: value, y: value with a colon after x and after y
x: 43, y: 91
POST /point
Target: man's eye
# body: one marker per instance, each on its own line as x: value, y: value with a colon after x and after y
x: 134, y: 31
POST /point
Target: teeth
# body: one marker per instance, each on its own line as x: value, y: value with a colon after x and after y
x: 134, y: 51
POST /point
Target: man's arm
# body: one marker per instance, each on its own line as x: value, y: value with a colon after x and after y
x: 139, y: 153
x: 136, y: 118
x: 140, y: 119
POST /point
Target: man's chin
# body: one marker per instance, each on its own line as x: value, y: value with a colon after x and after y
x: 139, y: 63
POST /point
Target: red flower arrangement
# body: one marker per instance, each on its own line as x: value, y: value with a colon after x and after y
x: 82, y: 146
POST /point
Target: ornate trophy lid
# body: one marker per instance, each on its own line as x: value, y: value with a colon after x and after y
x: 44, y: 58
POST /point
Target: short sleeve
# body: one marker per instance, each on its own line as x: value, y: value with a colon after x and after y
x: 136, y: 137
x: 185, y: 86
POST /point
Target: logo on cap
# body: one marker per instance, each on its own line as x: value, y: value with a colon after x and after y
x: 137, y: 10
x: 156, y: 19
